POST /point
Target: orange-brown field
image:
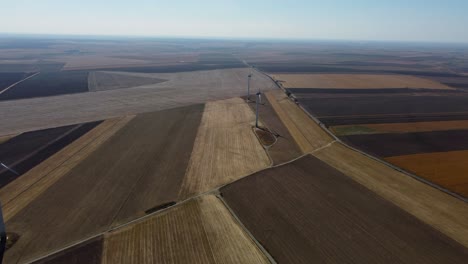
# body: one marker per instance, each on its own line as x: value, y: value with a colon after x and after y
x: 356, y: 81
x: 447, y: 169
x: 345, y: 130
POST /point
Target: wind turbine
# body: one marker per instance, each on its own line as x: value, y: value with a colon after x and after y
x: 259, y: 99
x: 248, y: 86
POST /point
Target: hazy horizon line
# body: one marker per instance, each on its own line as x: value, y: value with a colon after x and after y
x: 236, y: 38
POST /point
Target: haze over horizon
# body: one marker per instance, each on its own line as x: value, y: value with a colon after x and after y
x: 398, y: 20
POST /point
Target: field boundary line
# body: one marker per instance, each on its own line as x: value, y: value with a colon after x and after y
x: 34, y: 152
x: 244, y: 228
x: 18, y: 82
x: 418, y: 178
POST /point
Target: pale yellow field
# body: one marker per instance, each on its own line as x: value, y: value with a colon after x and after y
x: 356, y: 81
x: 199, y: 231
x: 225, y: 149
x: 19, y: 193
x: 440, y: 210
x: 308, y: 135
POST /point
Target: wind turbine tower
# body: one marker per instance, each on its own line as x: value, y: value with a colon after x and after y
x: 259, y: 99
x: 248, y: 86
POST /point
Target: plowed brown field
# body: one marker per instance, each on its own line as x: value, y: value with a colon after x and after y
x: 447, y: 169
x: 308, y: 212
x: 356, y: 81
x: 440, y: 210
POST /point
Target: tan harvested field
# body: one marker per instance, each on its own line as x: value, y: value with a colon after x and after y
x: 19, y: 193
x: 102, y: 81
x: 135, y: 170
x: 307, y: 134
x: 409, y: 127
x: 199, y: 231
x: 440, y: 210
x: 225, y: 149
x: 182, y: 89
x: 447, y: 169
x: 356, y: 81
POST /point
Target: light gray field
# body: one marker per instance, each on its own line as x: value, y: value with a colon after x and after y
x: 181, y: 89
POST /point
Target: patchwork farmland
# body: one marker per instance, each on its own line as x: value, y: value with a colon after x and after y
x: 307, y: 221
x: 390, y: 123
x: 155, y: 165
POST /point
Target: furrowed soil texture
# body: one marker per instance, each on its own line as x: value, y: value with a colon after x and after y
x: 447, y: 169
x: 397, y: 144
x: 19, y: 193
x: 47, y: 84
x: 438, y: 209
x: 137, y: 169
x: 285, y: 148
x: 27, y: 150
x: 356, y: 81
x: 225, y: 149
x: 325, y: 217
x: 198, y: 231
x: 348, y: 130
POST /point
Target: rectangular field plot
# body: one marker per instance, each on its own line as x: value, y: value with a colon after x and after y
x: 307, y: 211
x: 356, y: 81
x: 396, y: 144
x: 137, y: 169
x: 447, y: 169
x: 347, y: 130
x: 225, y: 149
x: 27, y: 150
x: 47, y: 84
x: 199, y: 231
x: 419, y: 107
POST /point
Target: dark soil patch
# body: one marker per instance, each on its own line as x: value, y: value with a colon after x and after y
x: 88, y: 252
x: 27, y: 150
x: 396, y: 144
x: 9, y: 78
x: 341, y: 110
x: 307, y: 211
x: 49, y: 83
x: 143, y: 164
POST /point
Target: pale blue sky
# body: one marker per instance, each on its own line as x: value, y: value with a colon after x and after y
x: 397, y: 20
